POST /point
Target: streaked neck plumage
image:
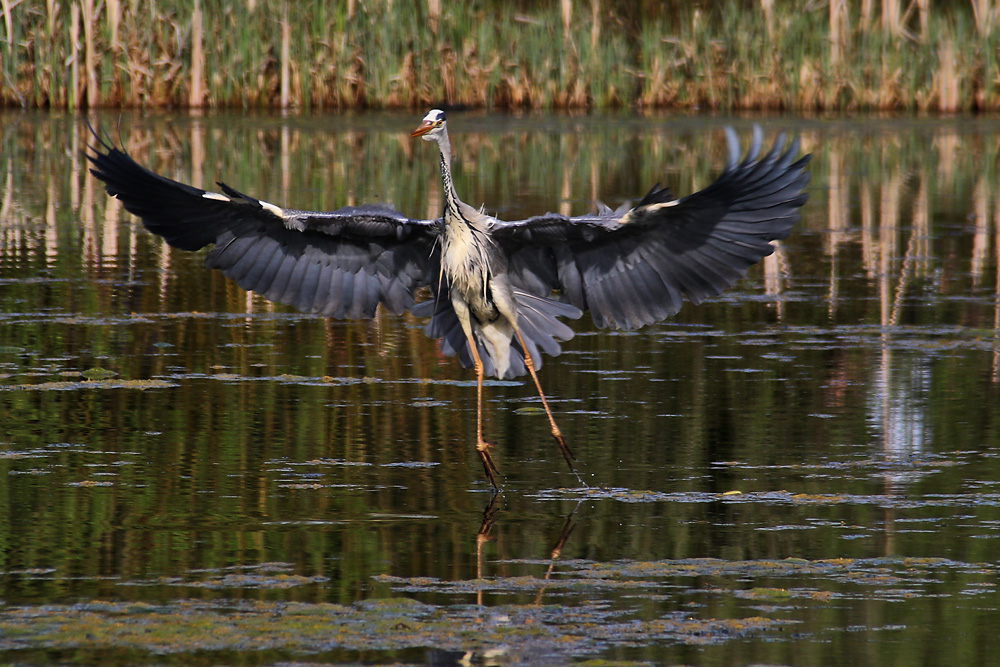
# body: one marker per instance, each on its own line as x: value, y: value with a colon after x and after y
x: 452, y: 206
x: 466, y: 245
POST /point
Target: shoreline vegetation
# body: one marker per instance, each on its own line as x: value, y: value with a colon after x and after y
x: 819, y: 55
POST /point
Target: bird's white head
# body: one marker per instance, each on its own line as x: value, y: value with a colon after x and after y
x: 431, y: 127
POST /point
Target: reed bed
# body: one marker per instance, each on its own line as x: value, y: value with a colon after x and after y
x: 766, y: 54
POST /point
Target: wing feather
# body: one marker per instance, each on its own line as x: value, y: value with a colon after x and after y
x: 305, y: 299
x: 322, y: 296
x: 339, y: 263
x: 335, y: 299
x: 630, y: 268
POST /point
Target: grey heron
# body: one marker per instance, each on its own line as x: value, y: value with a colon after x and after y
x: 498, y: 289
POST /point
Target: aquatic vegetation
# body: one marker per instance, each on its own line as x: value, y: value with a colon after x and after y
x: 729, y: 55
x: 192, y: 626
x: 384, y: 625
x: 69, y: 385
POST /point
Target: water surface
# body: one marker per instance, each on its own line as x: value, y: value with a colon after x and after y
x: 802, y: 471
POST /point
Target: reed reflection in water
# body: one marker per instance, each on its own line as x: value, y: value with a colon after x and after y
x: 860, y: 364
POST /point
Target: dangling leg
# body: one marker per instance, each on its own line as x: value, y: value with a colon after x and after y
x: 556, y: 433
x: 482, y: 446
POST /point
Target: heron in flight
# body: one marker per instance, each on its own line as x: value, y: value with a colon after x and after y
x: 498, y: 289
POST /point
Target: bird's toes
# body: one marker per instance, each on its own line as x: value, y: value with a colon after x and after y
x: 483, y: 449
x: 566, y: 451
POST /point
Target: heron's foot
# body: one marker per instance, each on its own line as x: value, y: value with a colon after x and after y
x: 483, y: 448
x: 564, y: 448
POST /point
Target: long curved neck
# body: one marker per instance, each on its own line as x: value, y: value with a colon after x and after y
x: 451, y: 202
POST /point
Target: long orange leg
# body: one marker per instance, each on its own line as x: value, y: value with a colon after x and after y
x: 556, y: 433
x: 482, y: 446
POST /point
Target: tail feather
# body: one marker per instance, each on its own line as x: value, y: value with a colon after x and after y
x: 538, y: 322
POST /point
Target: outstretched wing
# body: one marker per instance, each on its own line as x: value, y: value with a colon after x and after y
x: 340, y: 263
x: 632, y: 268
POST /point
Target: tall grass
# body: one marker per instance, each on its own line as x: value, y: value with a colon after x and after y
x: 735, y: 54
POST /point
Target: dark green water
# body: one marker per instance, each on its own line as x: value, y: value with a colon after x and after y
x: 840, y: 408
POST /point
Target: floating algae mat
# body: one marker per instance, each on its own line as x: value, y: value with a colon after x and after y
x: 382, y: 625
x: 727, y: 601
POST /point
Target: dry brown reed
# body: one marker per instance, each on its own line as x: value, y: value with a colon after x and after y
x: 196, y: 95
x: 847, y: 55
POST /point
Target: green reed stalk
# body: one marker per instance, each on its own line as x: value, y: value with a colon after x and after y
x: 573, y: 54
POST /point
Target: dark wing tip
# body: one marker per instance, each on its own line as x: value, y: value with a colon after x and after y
x: 656, y: 195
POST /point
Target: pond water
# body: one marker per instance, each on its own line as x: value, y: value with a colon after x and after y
x: 803, y: 471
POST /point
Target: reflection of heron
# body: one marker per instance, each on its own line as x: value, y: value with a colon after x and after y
x: 499, y: 287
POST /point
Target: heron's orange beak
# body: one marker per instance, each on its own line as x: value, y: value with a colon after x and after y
x: 424, y: 128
